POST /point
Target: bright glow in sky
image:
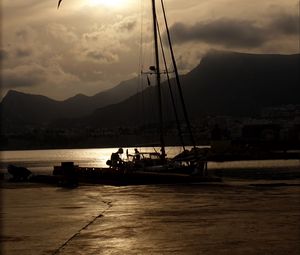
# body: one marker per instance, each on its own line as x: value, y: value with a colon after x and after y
x: 108, y: 3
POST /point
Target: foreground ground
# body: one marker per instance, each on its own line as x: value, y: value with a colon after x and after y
x: 227, y: 218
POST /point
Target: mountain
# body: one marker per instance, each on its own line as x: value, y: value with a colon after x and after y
x: 82, y: 105
x: 239, y: 84
x: 19, y: 108
x: 224, y: 83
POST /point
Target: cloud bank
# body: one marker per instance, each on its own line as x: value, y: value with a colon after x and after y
x: 232, y: 33
x: 84, y: 49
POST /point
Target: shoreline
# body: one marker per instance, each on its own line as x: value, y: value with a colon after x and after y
x: 264, y: 177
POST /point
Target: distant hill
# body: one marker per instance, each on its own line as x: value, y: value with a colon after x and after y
x: 224, y: 83
x: 19, y: 108
x: 240, y: 84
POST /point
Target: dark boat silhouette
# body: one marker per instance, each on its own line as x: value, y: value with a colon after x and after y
x: 154, y: 167
x: 18, y: 173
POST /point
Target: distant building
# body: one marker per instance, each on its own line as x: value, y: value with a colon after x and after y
x: 261, y: 133
x: 281, y: 112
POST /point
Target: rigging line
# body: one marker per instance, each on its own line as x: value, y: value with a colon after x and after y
x: 299, y: 27
x: 140, y: 81
x: 147, y: 109
x: 170, y: 88
x: 177, y: 78
x: 157, y: 69
x: 141, y: 37
x: 141, y: 95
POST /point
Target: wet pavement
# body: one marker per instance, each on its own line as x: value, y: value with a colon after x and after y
x: 226, y: 218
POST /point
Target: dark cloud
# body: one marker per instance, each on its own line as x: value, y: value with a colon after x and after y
x: 90, y: 37
x: 286, y: 24
x: 95, y: 55
x: 128, y: 25
x: 227, y: 32
x: 236, y: 33
x: 23, y: 76
x: 3, y: 54
x: 21, y: 53
x: 11, y: 82
x: 22, y: 34
x: 102, y: 56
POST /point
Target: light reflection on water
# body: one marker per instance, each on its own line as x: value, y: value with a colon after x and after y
x: 42, y: 161
x: 39, y: 161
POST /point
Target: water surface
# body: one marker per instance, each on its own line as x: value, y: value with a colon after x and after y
x: 42, y: 161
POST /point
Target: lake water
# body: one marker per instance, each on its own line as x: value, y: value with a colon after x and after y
x: 148, y: 219
x: 42, y: 161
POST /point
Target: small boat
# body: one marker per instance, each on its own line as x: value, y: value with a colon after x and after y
x: 18, y: 173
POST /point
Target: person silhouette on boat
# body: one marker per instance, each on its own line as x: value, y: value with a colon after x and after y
x: 137, y: 155
x: 115, y: 159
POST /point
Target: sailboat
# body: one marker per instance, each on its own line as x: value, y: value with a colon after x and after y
x: 188, y: 161
x: 154, y: 167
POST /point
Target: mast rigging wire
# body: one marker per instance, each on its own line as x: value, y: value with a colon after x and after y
x: 177, y: 78
x: 170, y: 88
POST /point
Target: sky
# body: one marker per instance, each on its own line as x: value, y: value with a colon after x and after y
x: 87, y: 46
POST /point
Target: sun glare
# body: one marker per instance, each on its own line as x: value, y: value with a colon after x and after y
x: 108, y: 3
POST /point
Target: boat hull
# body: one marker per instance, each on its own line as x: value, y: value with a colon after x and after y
x: 72, y: 177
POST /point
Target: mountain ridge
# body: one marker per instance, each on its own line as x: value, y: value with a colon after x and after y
x: 233, y: 84
x: 19, y: 108
x: 224, y: 83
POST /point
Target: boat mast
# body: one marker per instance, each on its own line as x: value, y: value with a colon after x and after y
x: 170, y: 89
x: 157, y: 70
x: 187, y: 121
